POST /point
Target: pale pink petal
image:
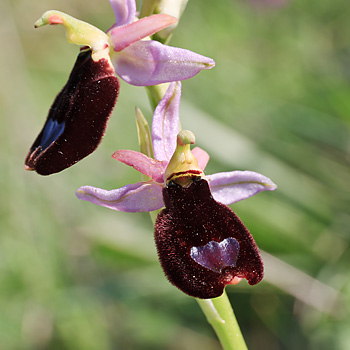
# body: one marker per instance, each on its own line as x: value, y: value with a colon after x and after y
x: 152, y: 168
x: 201, y: 156
x: 234, y: 186
x: 139, y: 197
x: 165, y: 124
x: 149, y: 62
x: 124, y: 10
x: 122, y: 37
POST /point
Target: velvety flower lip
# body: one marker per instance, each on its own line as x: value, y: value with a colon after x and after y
x: 78, y: 117
x: 227, y: 187
x: 202, y: 245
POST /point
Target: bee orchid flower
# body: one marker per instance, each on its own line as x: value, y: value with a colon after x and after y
x: 202, y: 245
x: 78, y: 117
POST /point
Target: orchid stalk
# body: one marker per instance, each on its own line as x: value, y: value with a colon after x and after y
x: 218, y: 311
x: 169, y: 167
x: 220, y: 316
x: 202, y: 245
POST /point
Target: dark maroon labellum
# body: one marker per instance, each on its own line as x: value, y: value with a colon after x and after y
x: 78, y: 117
x: 202, y: 244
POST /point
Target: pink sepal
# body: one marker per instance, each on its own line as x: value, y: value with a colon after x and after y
x: 201, y: 156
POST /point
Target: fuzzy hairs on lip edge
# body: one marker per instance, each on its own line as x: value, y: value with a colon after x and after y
x: 192, y: 218
x: 77, y: 118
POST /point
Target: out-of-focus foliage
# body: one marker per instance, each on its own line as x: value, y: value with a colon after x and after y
x: 77, y: 276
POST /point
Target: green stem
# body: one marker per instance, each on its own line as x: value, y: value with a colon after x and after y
x: 155, y: 93
x: 220, y: 315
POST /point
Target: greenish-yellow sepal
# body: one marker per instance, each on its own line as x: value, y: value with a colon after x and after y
x: 78, y: 32
x: 183, y: 163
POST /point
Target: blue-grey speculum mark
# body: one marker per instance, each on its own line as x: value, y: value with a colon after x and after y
x: 217, y: 255
x: 51, y: 132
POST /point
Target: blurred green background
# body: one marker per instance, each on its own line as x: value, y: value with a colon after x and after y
x: 77, y: 276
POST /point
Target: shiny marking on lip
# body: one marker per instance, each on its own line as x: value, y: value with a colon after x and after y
x: 183, y: 173
x: 217, y: 255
